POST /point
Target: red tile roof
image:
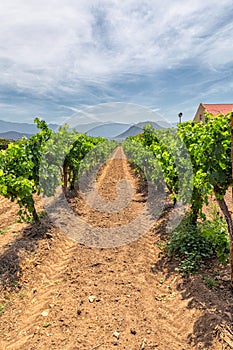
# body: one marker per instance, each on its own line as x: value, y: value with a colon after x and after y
x: 218, y: 108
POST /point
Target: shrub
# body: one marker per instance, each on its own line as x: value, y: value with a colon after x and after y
x: 193, y: 245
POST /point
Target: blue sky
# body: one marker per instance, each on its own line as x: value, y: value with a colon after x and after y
x: 60, y: 58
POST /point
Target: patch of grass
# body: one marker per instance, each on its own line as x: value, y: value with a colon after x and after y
x: 193, y: 245
x: 15, y: 284
x: 42, y: 214
x: 210, y: 281
x: 189, y: 247
x: 8, y: 296
x: 46, y: 324
x: 4, y: 230
x: 1, y: 308
x: 22, y: 295
x: 215, y: 231
x: 28, y: 218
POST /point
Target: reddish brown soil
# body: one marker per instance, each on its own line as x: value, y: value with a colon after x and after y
x: 115, y: 170
x: 58, y: 294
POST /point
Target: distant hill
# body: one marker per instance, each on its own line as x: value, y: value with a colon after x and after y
x: 13, y: 135
x: 32, y: 128
x: 86, y: 127
x: 105, y: 129
x: 137, y: 129
x: 132, y: 131
x: 110, y: 130
x: 22, y: 127
x: 163, y: 124
x: 154, y: 124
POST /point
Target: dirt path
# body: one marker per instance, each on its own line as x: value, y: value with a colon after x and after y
x: 58, y: 294
x: 115, y: 209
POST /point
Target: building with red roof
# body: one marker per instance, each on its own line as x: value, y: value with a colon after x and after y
x: 213, y: 108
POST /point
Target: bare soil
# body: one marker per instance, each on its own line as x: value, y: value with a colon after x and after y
x: 59, y: 294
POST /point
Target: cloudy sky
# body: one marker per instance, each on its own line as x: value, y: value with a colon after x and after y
x: 58, y: 58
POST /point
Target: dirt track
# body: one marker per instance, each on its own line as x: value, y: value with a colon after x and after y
x: 58, y: 294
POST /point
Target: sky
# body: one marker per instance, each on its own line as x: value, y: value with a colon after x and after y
x: 60, y: 59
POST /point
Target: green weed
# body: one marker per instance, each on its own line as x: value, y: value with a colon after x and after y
x: 210, y: 282
x: 46, y: 324
x: 193, y: 245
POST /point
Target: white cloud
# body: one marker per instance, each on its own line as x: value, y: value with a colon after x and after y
x: 116, y: 111
x: 48, y: 43
x: 48, y: 47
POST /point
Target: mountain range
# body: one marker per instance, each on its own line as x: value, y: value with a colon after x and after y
x: 24, y: 128
x: 137, y: 129
x: 111, y: 130
x: 13, y: 135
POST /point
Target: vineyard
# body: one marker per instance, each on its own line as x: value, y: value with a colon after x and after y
x: 194, y: 162
x: 169, y: 287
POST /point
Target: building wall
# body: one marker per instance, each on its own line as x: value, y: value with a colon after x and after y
x: 199, y: 116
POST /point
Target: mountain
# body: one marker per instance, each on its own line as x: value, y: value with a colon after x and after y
x: 24, y: 128
x: 155, y: 125
x: 13, y: 135
x: 86, y: 127
x: 132, y: 131
x: 110, y: 130
x: 105, y: 129
x: 137, y: 129
x: 166, y: 125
